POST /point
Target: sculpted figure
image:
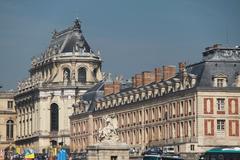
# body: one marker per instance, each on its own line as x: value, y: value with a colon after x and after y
x: 109, y: 132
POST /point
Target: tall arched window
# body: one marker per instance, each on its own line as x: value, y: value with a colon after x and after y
x: 66, y: 74
x: 9, y: 126
x: 82, y: 75
x: 95, y: 73
x: 54, y: 117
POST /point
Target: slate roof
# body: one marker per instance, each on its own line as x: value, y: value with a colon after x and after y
x: 204, y: 71
x: 67, y: 40
x: 216, y: 65
x: 92, y: 94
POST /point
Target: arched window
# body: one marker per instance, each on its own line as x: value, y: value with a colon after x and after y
x: 54, y: 117
x: 82, y: 75
x: 9, y: 129
x: 66, y: 74
x: 95, y: 73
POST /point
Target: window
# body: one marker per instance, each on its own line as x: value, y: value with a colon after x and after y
x: 9, y: 129
x: 220, y: 82
x: 66, y: 74
x: 220, y: 104
x: 113, y: 157
x: 10, y: 105
x: 192, y: 147
x: 220, y: 125
x: 82, y: 75
x: 95, y: 73
x: 54, y: 117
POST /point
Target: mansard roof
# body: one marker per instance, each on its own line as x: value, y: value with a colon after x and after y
x: 217, y: 61
x: 69, y: 40
x: 198, y: 75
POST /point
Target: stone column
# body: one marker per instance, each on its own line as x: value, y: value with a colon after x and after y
x: 18, y: 124
x: 90, y: 129
x: 24, y: 121
x: 33, y: 119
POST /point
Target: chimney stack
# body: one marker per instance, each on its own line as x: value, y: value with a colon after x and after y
x: 168, y: 72
x: 108, y: 89
x: 111, y: 87
x: 116, y: 86
x: 147, y: 77
x: 133, y: 82
x: 158, y: 72
x: 138, y: 80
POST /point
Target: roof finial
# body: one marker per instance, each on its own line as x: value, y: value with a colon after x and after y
x: 54, y: 34
x: 77, y: 23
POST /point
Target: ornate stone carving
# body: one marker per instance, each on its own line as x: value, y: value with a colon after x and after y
x: 223, y: 54
x: 109, y: 132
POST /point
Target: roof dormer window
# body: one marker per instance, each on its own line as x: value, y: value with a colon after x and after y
x: 220, y: 80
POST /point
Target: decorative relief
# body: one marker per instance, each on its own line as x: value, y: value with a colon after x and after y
x: 109, y: 132
x: 224, y: 54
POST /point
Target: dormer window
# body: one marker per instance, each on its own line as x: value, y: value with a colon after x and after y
x: 220, y: 80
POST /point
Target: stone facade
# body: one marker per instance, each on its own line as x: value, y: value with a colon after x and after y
x: 57, y: 78
x: 7, y: 121
x: 113, y: 151
x: 192, y: 111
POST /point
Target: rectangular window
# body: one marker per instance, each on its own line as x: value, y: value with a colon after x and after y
x: 10, y: 105
x: 220, y: 125
x: 192, y: 147
x: 219, y: 82
x: 113, y: 157
x: 220, y: 104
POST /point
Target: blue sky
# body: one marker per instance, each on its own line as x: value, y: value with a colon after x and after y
x: 132, y: 35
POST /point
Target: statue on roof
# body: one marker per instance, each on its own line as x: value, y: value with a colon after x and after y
x: 77, y: 23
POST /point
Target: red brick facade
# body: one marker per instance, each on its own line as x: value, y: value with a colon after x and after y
x: 208, y: 105
x: 209, y: 127
x: 233, y: 106
x: 233, y: 128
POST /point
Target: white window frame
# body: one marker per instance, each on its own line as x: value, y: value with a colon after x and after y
x: 221, y: 125
x: 220, y: 104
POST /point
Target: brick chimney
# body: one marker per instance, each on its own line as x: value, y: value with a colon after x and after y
x: 168, y: 72
x: 133, y: 82
x: 112, y: 87
x: 181, y: 67
x: 138, y: 80
x: 108, y: 88
x: 147, y: 77
x: 116, y: 86
x: 157, y: 73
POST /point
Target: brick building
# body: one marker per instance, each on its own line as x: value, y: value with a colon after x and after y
x: 192, y: 110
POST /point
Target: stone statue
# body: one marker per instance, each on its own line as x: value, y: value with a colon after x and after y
x: 66, y: 75
x: 109, y: 132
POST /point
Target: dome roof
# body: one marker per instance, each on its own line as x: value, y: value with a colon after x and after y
x: 69, y: 40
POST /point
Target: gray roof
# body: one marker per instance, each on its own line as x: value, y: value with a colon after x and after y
x: 217, y: 62
x: 69, y: 40
x: 92, y: 94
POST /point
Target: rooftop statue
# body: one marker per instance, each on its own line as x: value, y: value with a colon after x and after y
x: 109, y: 132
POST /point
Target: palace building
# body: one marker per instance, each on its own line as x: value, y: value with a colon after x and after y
x: 191, y: 110
x: 66, y: 70
x: 7, y: 122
